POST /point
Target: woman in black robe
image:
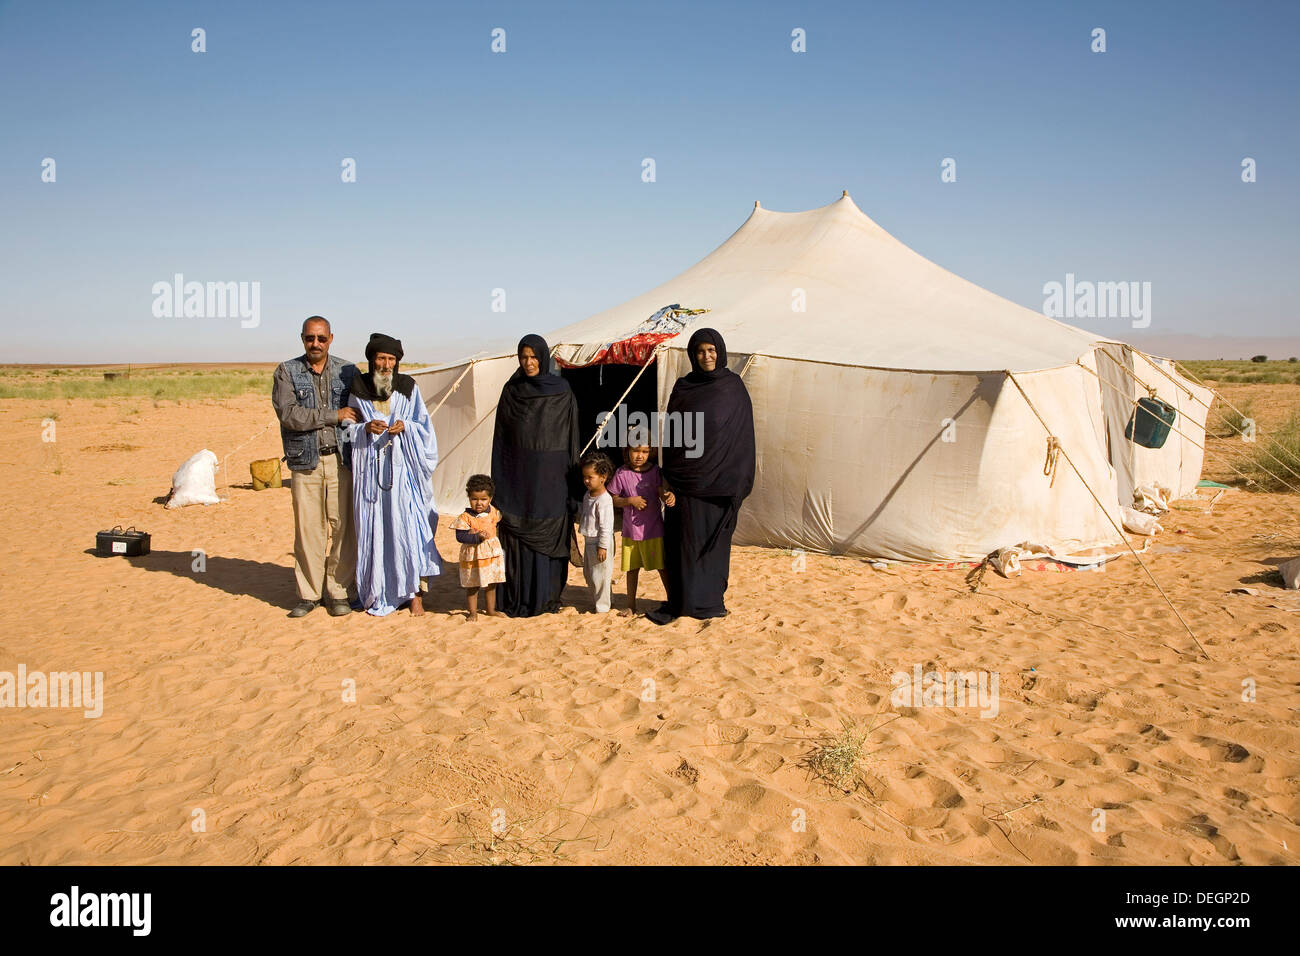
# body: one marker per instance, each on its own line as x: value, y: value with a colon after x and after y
x: 534, y: 458
x: 710, y: 488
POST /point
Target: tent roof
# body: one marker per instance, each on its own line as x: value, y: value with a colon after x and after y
x: 870, y: 301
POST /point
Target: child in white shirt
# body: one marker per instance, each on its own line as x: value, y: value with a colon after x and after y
x: 596, y: 524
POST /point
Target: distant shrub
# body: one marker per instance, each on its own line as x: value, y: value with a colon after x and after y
x: 165, y: 385
x: 1259, y: 358
x: 1235, y: 418
x: 1275, y: 461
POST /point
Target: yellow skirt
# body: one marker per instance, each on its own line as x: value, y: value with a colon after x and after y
x: 647, y: 554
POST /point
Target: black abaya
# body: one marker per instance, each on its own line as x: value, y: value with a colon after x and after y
x: 534, y: 456
x: 697, y: 577
x: 709, y: 487
x: 534, y: 581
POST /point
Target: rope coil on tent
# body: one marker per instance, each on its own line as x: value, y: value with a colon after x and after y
x: 1053, y: 452
x: 1117, y: 528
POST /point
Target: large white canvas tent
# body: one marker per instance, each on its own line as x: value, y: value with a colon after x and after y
x: 901, y: 411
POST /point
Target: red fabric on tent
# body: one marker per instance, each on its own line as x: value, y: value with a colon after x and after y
x: 634, y: 350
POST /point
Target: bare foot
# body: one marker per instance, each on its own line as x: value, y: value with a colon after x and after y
x: 417, y: 605
x: 627, y: 612
x: 496, y: 613
x: 473, y: 615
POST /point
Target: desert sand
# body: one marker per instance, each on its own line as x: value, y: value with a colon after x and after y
x: 226, y: 736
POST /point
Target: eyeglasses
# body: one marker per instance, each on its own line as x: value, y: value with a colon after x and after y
x: 315, y: 338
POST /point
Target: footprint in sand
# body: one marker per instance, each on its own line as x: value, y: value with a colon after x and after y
x: 719, y: 733
x: 763, y: 761
x: 600, y: 752
x: 746, y: 794
x: 735, y: 704
x: 1070, y: 753
x: 685, y: 772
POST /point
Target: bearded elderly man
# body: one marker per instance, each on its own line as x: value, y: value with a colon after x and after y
x: 394, y: 453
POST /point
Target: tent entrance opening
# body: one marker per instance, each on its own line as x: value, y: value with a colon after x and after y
x: 598, y: 387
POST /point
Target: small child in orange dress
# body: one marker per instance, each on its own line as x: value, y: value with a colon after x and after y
x: 482, y: 562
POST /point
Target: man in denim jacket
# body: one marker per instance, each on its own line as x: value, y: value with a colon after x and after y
x: 310, y: 395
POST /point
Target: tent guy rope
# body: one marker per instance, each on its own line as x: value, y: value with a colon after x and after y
x: 454, y: 385
x: 1066, y: 455
x: 1223, y: 418
x: 626, y: 391
x: 1209, y: 408
x: 1222, y: 459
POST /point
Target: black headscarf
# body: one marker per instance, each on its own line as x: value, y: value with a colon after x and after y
x: 363, y: 386
x: 546, y: 381
x: 535, y: 448
x: 379, y: 342
x: 725, y: 467
x: 711, y: 336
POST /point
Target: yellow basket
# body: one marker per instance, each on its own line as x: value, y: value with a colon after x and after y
x: 266, y: 473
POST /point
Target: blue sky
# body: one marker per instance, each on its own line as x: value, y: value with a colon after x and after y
x: 522, y: 170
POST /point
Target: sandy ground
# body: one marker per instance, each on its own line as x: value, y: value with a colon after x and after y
x: 226, y: 736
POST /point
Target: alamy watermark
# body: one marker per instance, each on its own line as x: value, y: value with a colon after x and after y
x: 1098, y: 300
x: 75, y: 908
x: 54, y: 689
x: 660, y: 429
x: 946, y: 689
x: 179, y: 299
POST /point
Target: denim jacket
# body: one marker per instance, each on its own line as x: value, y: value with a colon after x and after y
x: 301, y: 451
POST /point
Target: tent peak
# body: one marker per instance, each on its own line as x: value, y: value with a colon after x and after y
x: 843, y: 204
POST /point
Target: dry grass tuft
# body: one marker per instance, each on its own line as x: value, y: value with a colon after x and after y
x: 841, y: 760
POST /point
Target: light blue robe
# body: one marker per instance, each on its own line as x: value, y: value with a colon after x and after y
x: 393, y: 511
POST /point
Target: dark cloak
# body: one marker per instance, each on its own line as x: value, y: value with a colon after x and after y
x: 695, y: 575
x: 725, y: 467
x: 535, y: 448
x: 710, y: 488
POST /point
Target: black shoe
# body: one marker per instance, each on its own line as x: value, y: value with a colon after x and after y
x: 304, y: 608
x: 339, y: 609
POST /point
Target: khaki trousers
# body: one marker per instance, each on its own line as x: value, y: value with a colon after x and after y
x: 325, y: 544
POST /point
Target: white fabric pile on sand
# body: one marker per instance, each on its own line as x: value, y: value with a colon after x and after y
x: 1139, y: 522
x: 1290, y: 571
x: 888, y: 418
x: 195, y: 481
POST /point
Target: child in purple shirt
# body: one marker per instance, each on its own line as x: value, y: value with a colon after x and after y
x: 638, y: 488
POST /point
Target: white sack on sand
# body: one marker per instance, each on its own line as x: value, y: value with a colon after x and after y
x: 1139, y: 523
x: 195, y: 482
x: 1290, y: 571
